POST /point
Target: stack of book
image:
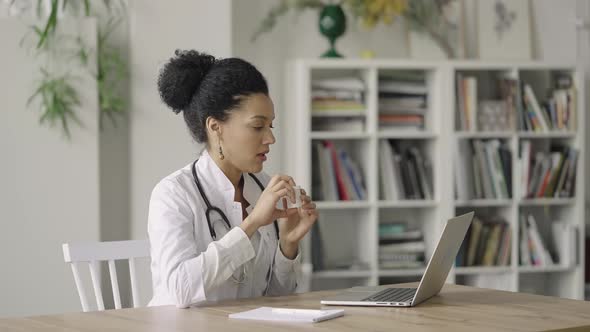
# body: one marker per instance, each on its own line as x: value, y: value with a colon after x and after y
x: 487, y: 243
x: 337, y: 95
x: 404, y: 172
x: 483, y: 170
x: 400, y: 247
x: 338, y: 104
x: 548, y: 174
x: 335, y: 175
x: 402, y: 101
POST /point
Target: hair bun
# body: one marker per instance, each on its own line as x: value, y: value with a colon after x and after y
x: 181, y: 77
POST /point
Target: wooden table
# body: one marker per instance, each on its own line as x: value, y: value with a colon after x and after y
x: 456, y: 308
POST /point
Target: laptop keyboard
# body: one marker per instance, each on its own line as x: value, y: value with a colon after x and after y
x: 392, y: 295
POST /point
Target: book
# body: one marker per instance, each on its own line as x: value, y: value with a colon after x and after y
x: 475, y: 233
x: 388, y: 184
x: 340, y: 83
x: 342, y: 192
x: 464, y: 177
x: 532, y: 100
x: 541, y: 255
x: 525, y: 254
x: 423, y: 179
x: 290, y: 315
x: 387, y: 85
x: 565, y: 242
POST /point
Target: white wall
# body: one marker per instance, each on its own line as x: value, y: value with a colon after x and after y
x: 159, y: 140
x: 49, y: 187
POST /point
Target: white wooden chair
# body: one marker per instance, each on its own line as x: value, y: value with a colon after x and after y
x: 95, y: 252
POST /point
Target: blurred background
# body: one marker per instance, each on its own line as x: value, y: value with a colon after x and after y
x: 84, y: 136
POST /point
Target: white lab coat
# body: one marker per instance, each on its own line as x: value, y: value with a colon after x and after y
x: 187, y: 266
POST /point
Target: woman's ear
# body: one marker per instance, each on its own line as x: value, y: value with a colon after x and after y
x: 213, y: 126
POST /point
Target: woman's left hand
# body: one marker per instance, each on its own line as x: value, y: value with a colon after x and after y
x: 294, y: 227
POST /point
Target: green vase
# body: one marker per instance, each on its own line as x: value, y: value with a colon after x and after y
x: 332, y: 25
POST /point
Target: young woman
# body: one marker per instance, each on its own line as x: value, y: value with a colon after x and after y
x: 214, y: 228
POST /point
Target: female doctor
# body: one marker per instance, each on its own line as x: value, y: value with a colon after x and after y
x: 215, y: 232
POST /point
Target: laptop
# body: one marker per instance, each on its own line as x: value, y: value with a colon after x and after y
x: 431, y: 283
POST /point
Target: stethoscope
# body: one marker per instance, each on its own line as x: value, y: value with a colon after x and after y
x: 211, y: 208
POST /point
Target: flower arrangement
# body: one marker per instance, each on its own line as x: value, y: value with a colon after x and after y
x: 332, y: 20
x: 371, y: 12
x: 423, y: 16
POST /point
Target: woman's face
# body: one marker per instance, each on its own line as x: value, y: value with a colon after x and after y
x: 246, y: 136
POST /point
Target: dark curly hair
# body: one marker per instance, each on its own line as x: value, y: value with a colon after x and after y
x: 201, y: 86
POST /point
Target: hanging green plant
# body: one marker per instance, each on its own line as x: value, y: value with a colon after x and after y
x: 57, y: 99
x: 111, y: 67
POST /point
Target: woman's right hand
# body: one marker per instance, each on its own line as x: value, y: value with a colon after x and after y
x: 265, y: 211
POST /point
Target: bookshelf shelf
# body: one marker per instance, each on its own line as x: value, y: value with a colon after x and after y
x: 549, y: 134
x: 332, y: 274
x: 484, y: 135
x: 338, y: 135
x: 416, y: 203
x: 401, y: 272
x: 437, y: 133
x: 547, y: 201
x: 484, y: 203
x: 474, y: 270
x: 389, y: 134
x: 337, y: 205
x: 544, y: 269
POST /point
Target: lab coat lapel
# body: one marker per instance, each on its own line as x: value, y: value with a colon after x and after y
x: 216, y: 185
x: 251, y: 191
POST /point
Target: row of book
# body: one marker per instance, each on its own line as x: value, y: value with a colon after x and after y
x: 338, y: 95
x: 400, y: 247
x: 556, y: 112
x: 402, y: 100
x: 548, y: 174
x: 404, y: 172
x: 335, y: 175
x: 516, y: 105
x: 487, y: 243
x: 535, y: 250
x: 483, y: 170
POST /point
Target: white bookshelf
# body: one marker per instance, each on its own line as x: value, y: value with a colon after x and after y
x: 349, y: 229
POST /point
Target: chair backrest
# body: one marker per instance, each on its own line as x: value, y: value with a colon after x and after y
x: 93, y: 253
